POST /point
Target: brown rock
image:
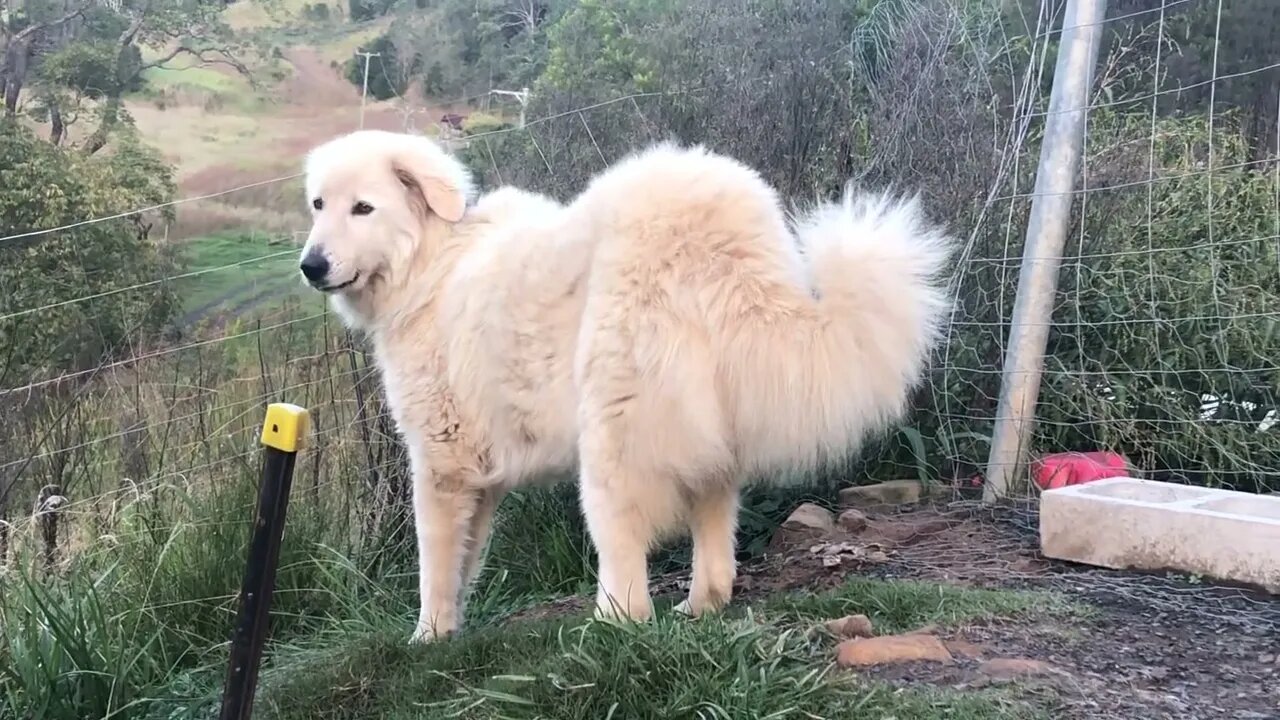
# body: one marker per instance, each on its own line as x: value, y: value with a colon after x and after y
x: 893, y: 492
x: 891, y: 649
x: 806, y: 523
x: 852, y: 520
x: 1014, y: 668
x: 810, y: 517
x: 851, y: 626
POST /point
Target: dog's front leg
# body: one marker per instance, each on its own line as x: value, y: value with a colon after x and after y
x: 443, y: 507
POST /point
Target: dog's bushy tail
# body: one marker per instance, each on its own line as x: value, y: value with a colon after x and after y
x: 810, y: 389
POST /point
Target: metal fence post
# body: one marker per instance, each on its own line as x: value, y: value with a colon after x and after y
x: 282, y: 433
x: 48, y: 506
x: 1060, y: 155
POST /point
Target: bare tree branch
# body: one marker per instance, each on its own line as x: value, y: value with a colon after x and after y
x: 17, y: 56
x: 34, y: 28
x: 221, y: 56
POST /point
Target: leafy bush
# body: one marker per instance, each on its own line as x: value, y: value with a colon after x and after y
x: 480, y: 122
x: 317, y: 12
x: 362, y: 10
x: 389, y: 72
x: 46, y: 327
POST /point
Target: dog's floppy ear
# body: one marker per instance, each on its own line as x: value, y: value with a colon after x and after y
x: 438, y: 178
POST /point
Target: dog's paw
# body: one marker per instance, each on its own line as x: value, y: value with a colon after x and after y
x: 422, y: 636
x: 684, y: 608
x: 425, y: 634
x: 609, y: 615
x: 608, y: 611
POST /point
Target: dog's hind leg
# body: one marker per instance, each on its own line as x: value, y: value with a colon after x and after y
x: 713, y: 519
x: 626, y: 506
x: 478, y: 538
x: 622, y: 529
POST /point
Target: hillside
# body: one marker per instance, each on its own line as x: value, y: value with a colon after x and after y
x: 221, y: 132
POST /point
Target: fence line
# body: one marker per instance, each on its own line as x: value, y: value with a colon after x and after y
x: 1181, y: 379
x: 149, y: 208
x: 1078, y: 375
x: 227, y: 420
x: 253, y: 404
x: 149, y: 283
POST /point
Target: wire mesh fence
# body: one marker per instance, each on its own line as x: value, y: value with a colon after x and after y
x: 1163, y: 341
x: 130, y: 393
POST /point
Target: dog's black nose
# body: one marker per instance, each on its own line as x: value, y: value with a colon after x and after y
x: 315, y: 267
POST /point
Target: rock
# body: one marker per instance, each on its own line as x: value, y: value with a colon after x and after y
x: 851, y: 626
x: 807, y: 522
x: 893, y: 492
x: 1013, y: 668
x: 852, y: 520
x: 861, y: 652
x: 810, y: 517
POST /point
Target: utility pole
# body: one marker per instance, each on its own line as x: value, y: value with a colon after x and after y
x: 364, y: 86
x: 521, y: 95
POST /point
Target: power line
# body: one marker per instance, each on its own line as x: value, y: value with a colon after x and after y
x: 149, y: 283
x: 171, y: 203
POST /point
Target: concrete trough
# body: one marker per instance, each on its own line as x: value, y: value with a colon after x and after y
x: 1132, y: 524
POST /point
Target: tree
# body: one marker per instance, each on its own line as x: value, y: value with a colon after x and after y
x: 67, y: 52
x: 21, y: 29
x: 461, y: 47
x: 184, y: 27
x: 362, y: 10
x: 389, y: 70
x: 47, y: 328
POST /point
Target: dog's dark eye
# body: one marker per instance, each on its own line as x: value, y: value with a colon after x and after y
x: 317, y: 204
x: 361, y: 208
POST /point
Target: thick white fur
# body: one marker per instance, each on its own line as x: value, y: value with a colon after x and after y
x: 668, y: 333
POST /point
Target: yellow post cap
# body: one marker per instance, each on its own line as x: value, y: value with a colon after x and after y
x: 286, y: 427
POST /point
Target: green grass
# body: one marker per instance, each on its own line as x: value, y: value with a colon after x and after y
x: 193, y: 77
x: 136, y: 625
x: 236, y: 267
x: 733, y: 666
x: 138, y: 629
x: 903, y: 605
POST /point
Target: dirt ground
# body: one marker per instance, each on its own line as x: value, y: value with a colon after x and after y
x: 1156, y: 647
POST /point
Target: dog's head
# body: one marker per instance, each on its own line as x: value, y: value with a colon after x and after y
x: 375, y: 196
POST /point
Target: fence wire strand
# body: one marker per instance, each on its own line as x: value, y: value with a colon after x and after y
x: 1159, y: 339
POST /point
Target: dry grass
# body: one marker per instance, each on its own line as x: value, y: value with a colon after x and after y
x: 344, y: 47
x: 218, y: 143
x: 254, y: 15
x: 202, y: 219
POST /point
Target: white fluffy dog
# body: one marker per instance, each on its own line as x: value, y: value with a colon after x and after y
x: 669, y: 334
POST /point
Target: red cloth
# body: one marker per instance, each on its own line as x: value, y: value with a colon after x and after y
x: 1073, y: 468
